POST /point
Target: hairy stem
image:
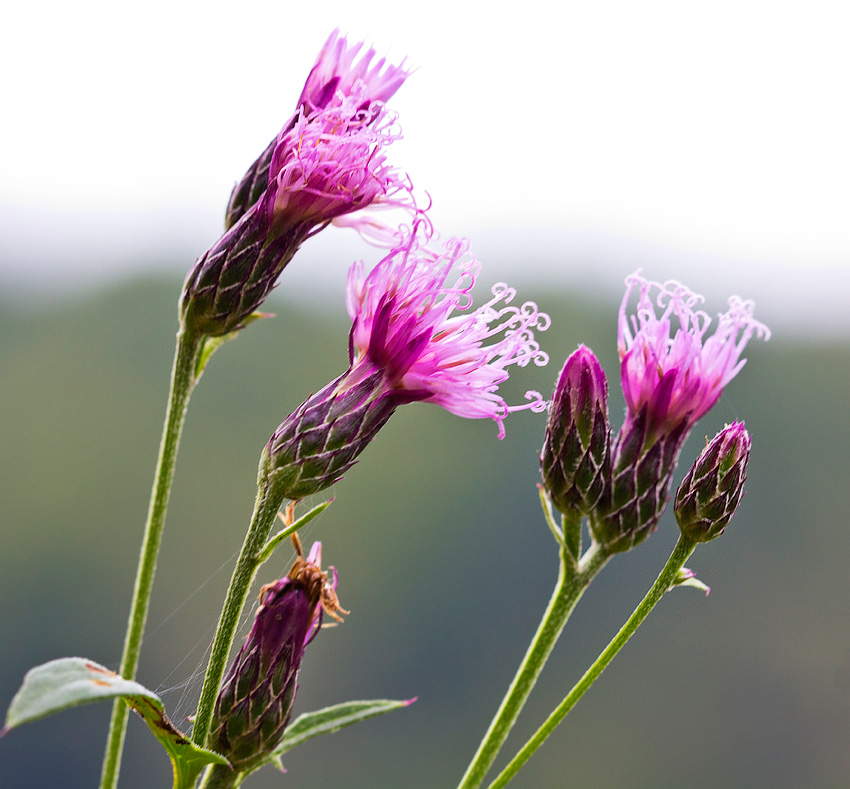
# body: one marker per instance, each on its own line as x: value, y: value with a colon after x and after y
x: 571, y: 584
x: 684, y: 548
x: 182, y: 382
x: 250, y: 558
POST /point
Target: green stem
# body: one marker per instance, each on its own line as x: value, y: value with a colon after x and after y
x: 265, y: 511
x: 221, y: 777
x: 571, y: 585
x: 182, y: 382
x: 684, y: 548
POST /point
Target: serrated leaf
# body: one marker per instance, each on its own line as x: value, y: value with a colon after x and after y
x: 69, y: 682
x: 331, y: 719
x: 212, y: 344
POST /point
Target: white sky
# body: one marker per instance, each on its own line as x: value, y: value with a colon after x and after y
x: 710, y: 138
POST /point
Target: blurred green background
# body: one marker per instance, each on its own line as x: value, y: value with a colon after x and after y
x: 444, y: 561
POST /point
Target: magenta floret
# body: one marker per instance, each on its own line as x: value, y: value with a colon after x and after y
x: 413, y: 319
x: 668, y: 364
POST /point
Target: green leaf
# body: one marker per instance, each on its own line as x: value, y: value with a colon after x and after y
x: 68, y: 682
x: 686, y: 577
x: 273, y: 542
x: 212, y: 344
x: 331, y: 719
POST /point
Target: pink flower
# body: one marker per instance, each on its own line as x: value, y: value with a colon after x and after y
x: 333, y: 163
x: 412, y: 322
x: 327, y: 163
x: 668, y: 364
x: 337, y: 73
x: 328, y: 159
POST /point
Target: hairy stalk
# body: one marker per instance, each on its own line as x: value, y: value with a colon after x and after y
x: 221, y: 777
x: 266, y: 508
x: 182, y: 382
x: 684, y: 548
x: 571, y: 584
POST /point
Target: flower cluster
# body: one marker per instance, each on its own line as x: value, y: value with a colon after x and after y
x: 672, y: 373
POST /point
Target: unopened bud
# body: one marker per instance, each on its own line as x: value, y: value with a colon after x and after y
x: 710, y: 492
x: 255, y: 701
x: 575, y: 460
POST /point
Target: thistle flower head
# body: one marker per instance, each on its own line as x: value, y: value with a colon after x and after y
x: 331, y: 162
x: 575, y: 461
x: 332, y: 147
x: 336, y: 72
x: 668, y: 363
x: 413, y: 322
x: 710, y: 492
x: 255, y: 701
x: 328, y: 162
x: 414, y: 338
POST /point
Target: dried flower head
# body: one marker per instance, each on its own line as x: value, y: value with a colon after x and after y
x: 255, y: 701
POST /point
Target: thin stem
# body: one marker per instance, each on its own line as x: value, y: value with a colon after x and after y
x: 265, y: 511
x: 569, y: 589
x: 684, y: 548
x: 182, y: 383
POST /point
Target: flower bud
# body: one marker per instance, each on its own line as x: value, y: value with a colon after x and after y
x: 710, y: 492
x: 255, y: 701
x: 575, y: 460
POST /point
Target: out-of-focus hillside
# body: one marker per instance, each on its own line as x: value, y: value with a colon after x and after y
x: 444, y: 562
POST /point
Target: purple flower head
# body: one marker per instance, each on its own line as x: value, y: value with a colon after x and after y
x: 668, y: 364
x: 337, y: 73
x: 412, y: 322
x: 326, y: 164
x: 332, y: 163
x: 255, y: 701
x: 413, y: 338
x: 328, y: 159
